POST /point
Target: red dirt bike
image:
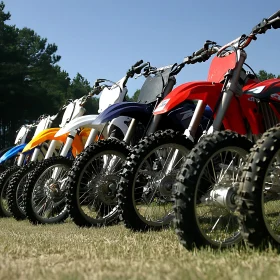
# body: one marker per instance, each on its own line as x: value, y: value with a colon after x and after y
x: 145, y: 196
x: 208, y: 181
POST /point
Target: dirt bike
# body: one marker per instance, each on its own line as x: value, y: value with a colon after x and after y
x: 15, y: 177
x: 145, y: 187
x: 93, y: 179
x: 207, y: 184
x: 20, y: 158
x: 44, y: 190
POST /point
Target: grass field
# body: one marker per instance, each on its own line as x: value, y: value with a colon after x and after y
x: 68, y: 252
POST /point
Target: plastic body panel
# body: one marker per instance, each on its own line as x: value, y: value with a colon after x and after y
x: 83, y: 121
x: 128, y: 109
x: 12, y: 152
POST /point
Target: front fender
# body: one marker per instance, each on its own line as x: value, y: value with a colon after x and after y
x: 43, y: 136
x: 207, y: 91
x: 129, y: 109
x: 79, y: 140
x: 4, y: 150
x: 84, y: 121
x: 12, y: 152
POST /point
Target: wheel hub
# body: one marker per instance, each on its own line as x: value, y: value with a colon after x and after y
x: 166, y: 186
x: 161, y: 188
x: 52, y: 190
x: 222, y: 195
x: 105, y: 189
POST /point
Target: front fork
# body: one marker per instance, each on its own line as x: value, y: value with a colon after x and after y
x: 131, y: 129
x: 51, y: 149
x: 110, y: 166
x: 20, y: 159
x: 67, y: 147
x: 190, y: 132
x: 64, y: 152
x: 92, y: 135
x: 231, y: 89
x: 34, y: 157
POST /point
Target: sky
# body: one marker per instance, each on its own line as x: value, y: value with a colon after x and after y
x: 103, y: 38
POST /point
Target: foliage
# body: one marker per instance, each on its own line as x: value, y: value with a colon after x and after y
x: 263, y: 75
x: 31, y: 82
x: 135, y: 96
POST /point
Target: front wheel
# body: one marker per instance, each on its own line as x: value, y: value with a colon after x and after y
x: 206, y: 189
x: 93, y: 180
x: 44, y: 191
x: 145, y: 193
x: 259, y: 192
x: 15, y: 191
x: 4, y: 183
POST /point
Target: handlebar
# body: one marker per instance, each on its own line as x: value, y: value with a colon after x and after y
x: 205, y: 47
x: 244, y: 40
x: 203, y: 54
x: 136, y: 68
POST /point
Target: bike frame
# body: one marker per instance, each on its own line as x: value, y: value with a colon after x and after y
x: 230, y: 103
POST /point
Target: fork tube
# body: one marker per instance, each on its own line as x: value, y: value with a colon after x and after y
x: 92, y: 135
x: 126, y: 139
x: 20, y: 159
x: 225, y: 102
x: 64, y: 152
x: 196, y: 119
x: 191, y: 131
x: 51, y: 148
x: 173, y: 160
x: 68, y: 143
x: 130, y: 131
x: 154, y: 124
x: 35, y: 154
x: 229, y: 92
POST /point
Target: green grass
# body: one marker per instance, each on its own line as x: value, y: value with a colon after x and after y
x: 68, y: 252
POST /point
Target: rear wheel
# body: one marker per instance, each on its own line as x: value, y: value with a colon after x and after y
x: 44, y: 191
x: 145, y: 193
x: 259, y: 192
x: 4, y: 182
x: 93, y: 180
x: 206, y: 189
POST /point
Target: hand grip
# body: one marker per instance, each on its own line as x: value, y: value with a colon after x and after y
x: 198, y: 52
x: 138, y: 69
x: 138, y: 63
x: 275, y: 15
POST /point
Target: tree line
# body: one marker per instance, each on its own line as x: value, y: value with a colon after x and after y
x: 31, y: 81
